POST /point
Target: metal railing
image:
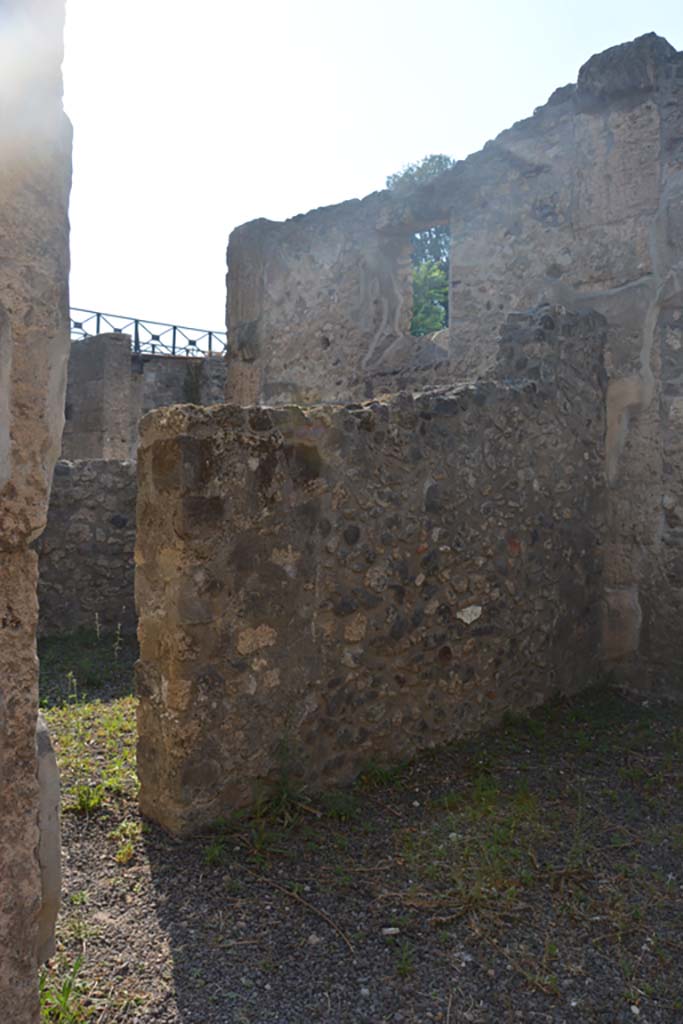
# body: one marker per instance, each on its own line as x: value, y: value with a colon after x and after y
x: 149, y: 336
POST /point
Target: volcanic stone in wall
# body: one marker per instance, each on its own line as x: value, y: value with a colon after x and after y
x: 86, y: 551
x: 326, y: 586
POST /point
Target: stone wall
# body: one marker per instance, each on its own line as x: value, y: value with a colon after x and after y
x: 159, y: 380
x: 327, y: 586
x: 580, y: 204
x: 35, y: 172
x: 560, y: 207
x: 86, y: 551
x: 110, y: 387
x: 97, y: 418
x: 312, y: 303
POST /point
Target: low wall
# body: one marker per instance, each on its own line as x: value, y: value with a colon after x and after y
x: 323, y: 587
x: 86, y: 552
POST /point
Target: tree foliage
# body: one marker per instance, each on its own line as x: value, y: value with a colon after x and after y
x: 430, y: 250
x: 430, y: 298
x: 423, y: 170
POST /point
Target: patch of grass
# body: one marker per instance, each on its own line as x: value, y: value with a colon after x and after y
x: 86, y: 799
x: 62, y: 996
x: 95, y: 747
x: 85, y: 685
x: 375, y: 775
x: 553, y: 832
x: 340, y: 804
x: 126, y: 835
x: 261, y: 828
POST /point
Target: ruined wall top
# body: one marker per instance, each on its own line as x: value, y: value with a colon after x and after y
x: 559, y: 208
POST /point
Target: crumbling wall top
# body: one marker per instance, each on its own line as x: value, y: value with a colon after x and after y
x: 558, y: 208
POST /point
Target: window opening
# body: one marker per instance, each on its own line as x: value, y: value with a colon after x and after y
x: 429, y: 256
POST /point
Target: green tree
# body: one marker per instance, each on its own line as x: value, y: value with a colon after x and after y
x: 430, y: 298
x: 430, y: 250
x: 417, y: 173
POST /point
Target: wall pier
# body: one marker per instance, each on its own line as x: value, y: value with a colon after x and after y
x: 35, y: 161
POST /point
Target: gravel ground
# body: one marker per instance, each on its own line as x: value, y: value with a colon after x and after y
x: 533, y: 874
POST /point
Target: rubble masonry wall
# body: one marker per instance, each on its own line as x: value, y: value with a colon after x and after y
x: 324, y: 586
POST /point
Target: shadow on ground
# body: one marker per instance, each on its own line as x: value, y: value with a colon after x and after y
x: 530, y: 874
x: 86, y: 665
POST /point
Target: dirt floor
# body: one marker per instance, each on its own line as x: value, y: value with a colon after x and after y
x: 533, y: 874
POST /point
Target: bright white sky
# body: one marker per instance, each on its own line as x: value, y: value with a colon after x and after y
x: 193, y: 117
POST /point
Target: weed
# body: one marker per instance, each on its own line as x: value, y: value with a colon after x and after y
x: 213, y: 853
x: 577, y: 851
x: 125, y: 853
x: 127, y: 829
x: 233, y: 886
x: 450, y: 801
x: 78, y: 929
x: 279, y: 802
x: 405, y: 959
x: 118, y: 642
x: 342, y: 877
x: 340, y: 804
x: 61, y: 1001
x: 126, y: 834
x: 525, y: 803
x: 87, y: 799
x: 484, y: 794
x: 375, y: 775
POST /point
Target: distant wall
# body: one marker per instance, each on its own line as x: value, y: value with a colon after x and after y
x: 86, y: 552
x: 577, y: 204
x: 176, y: 380
x: 97, y: 408
x: 110, y: 387
x: 325, y: 586
x: 312, y: 303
